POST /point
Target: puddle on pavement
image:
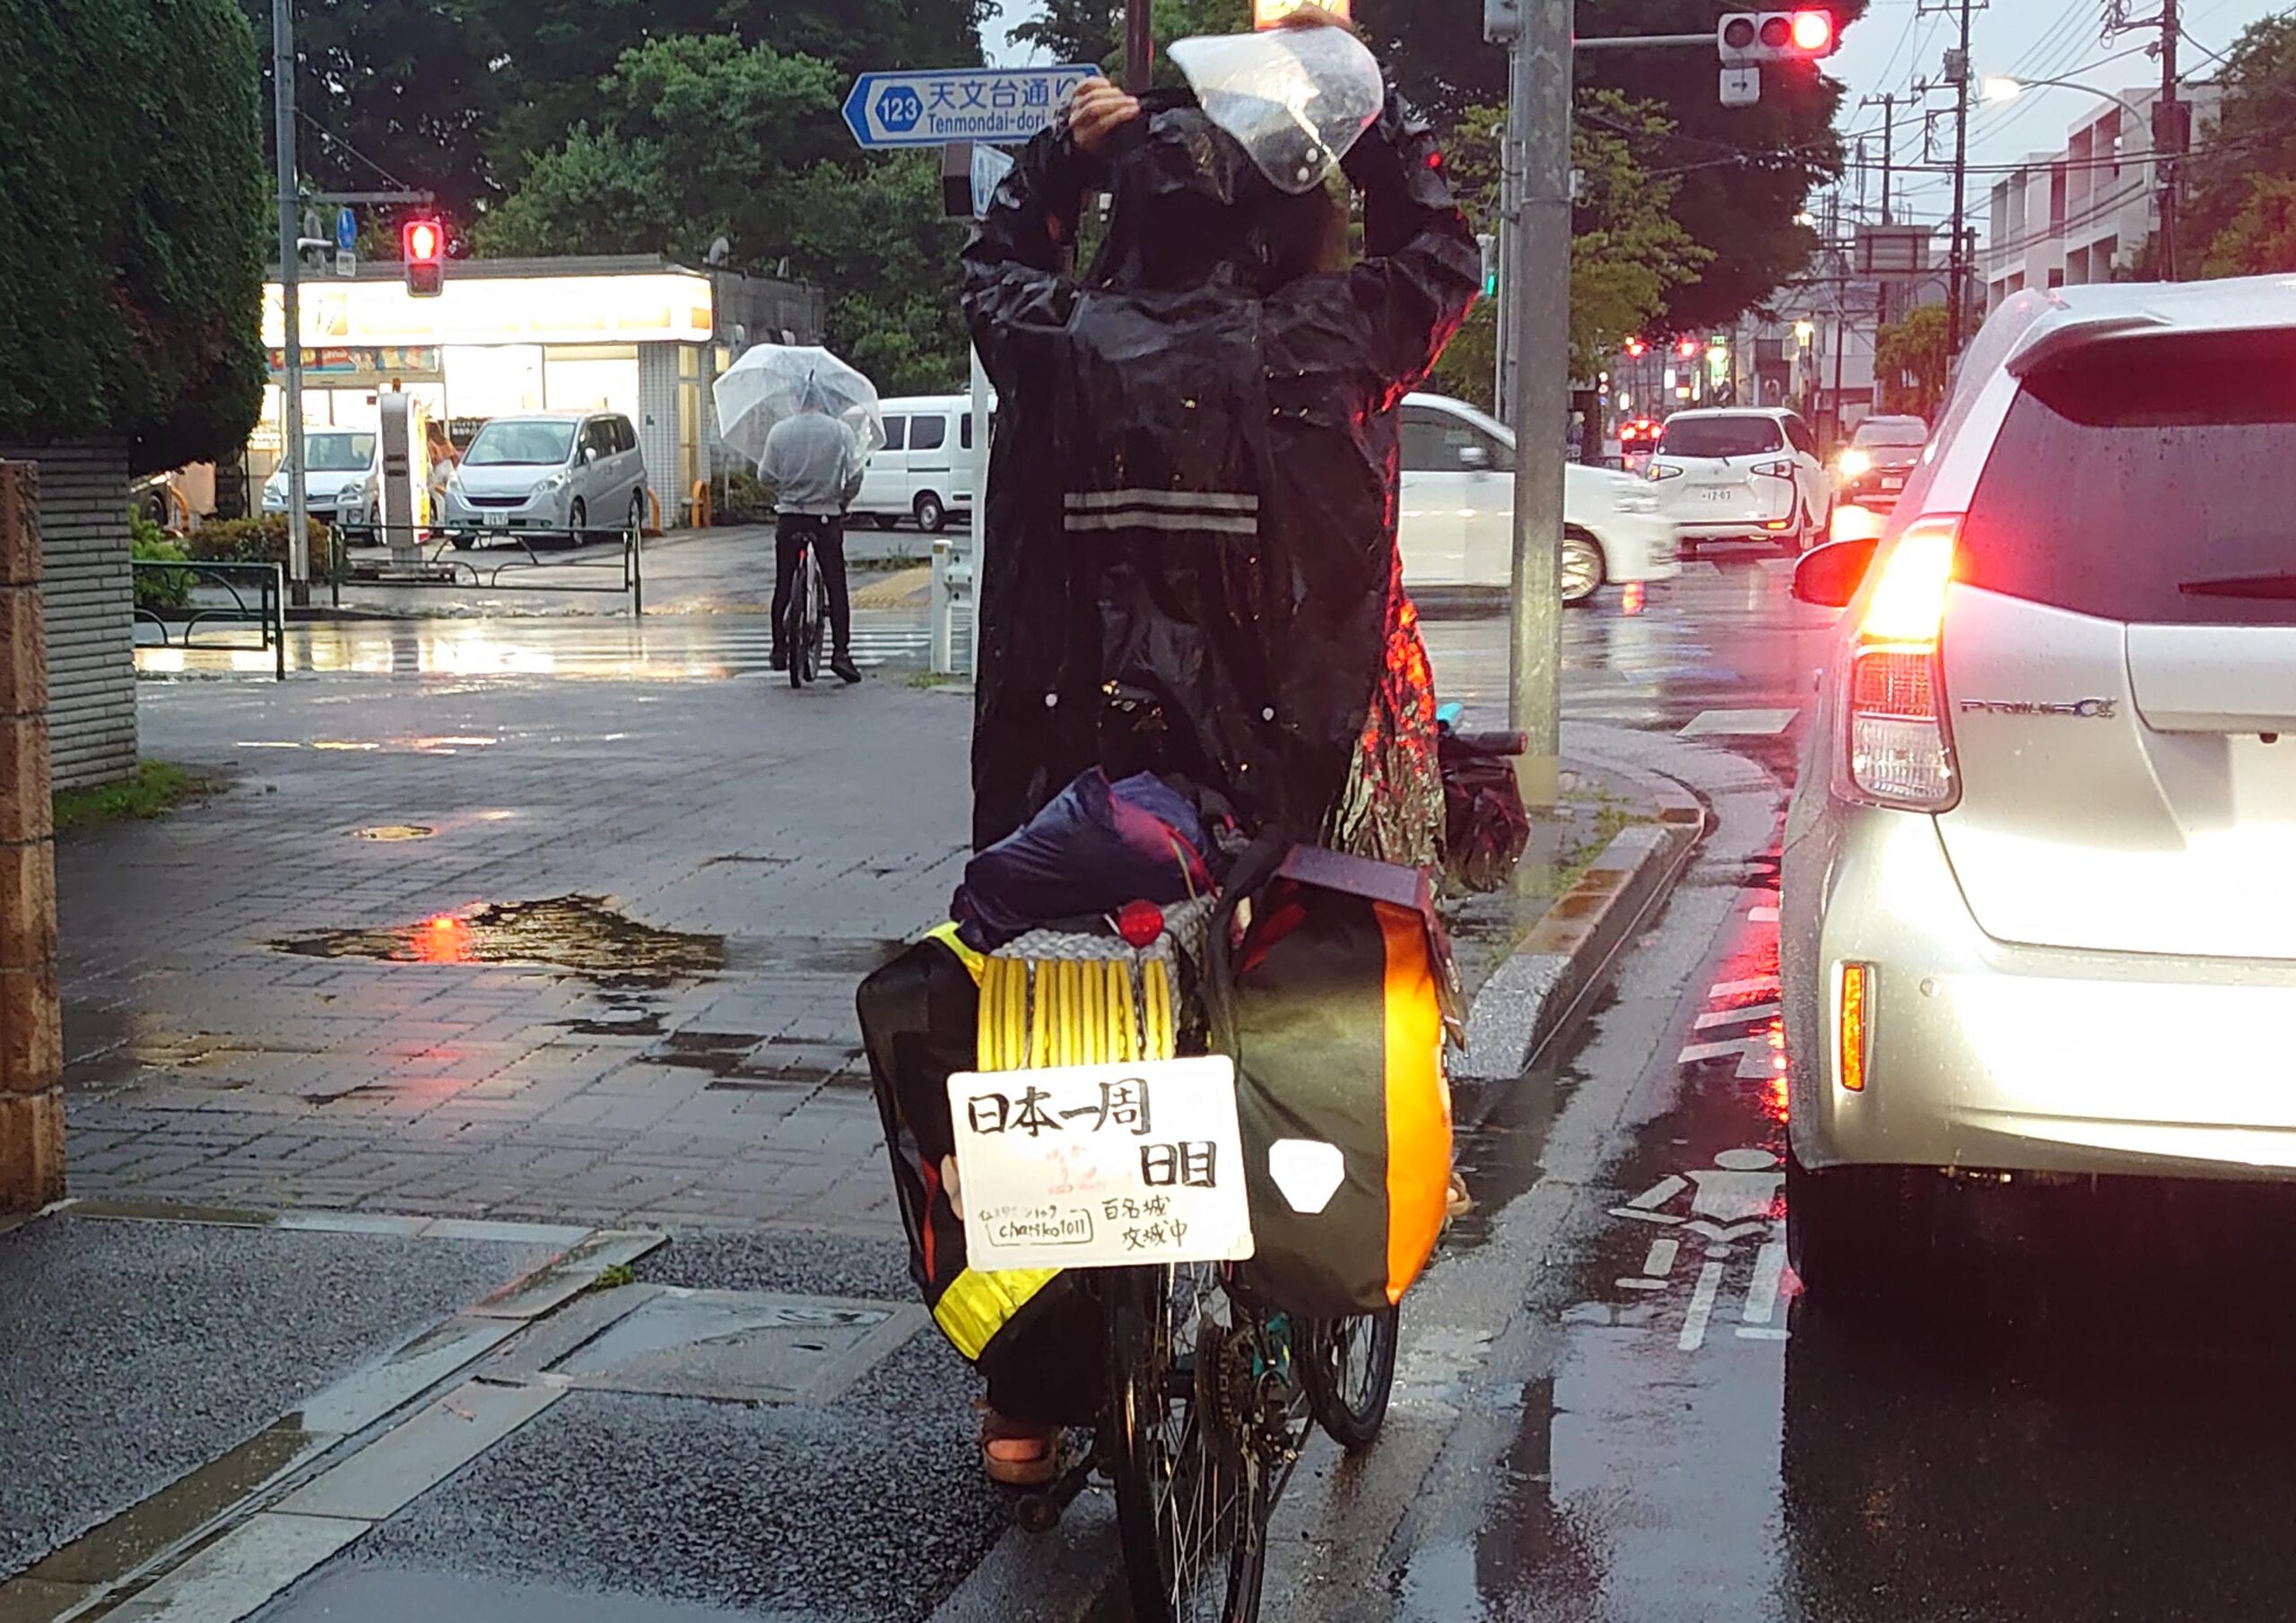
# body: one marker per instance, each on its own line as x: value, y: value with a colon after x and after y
x: 747, y: 1061
x: 1500, y: 1130
x: 577, y: 933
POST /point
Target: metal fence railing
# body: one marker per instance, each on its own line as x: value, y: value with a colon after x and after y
x: 453, y: 559
x: 265, y: 583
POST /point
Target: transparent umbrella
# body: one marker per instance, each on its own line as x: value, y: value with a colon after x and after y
x: 772, y: 383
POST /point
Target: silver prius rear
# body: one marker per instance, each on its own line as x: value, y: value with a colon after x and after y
x: 2040, y: 886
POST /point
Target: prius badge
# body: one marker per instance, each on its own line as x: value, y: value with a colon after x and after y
x: 2088, y: 709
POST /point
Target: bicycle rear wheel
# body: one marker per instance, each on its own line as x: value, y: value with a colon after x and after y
x: 1348, y: 1367
x: 1192, y: 1499
x: 802, y: 635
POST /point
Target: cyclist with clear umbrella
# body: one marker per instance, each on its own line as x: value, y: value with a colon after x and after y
x: 815, y: 464
x: 810, y: 422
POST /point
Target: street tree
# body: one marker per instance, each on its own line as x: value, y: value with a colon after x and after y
x: 1093, y: 30
x: 1744, y: 173
x: 1913, y: 363
x: 132, y: 226
x: 1627, y: 249
x: 701, y: 137
x: 2236, y: 180
x: 392, y: 93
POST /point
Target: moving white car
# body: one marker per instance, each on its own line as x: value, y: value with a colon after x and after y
x: 925, y: 470
x: 2039, y: 913
x: 1738, y: 473
x: 343, y: 477
x: 574, y: 473
x: 1457, y: 522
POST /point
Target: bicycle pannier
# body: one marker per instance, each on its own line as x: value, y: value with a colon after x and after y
x: 1334, y: 1007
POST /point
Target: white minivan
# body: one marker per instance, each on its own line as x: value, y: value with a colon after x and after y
x: 924, y: 472
x: 1457, y: 520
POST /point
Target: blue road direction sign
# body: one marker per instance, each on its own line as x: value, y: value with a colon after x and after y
x: 346, y: 229
x: 935, y: 106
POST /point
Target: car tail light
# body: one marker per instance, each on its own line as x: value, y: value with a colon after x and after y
x: 1856, y: 1024
x: 1900, y: 749
x: 1775, y: 470
x: 1662, y: 469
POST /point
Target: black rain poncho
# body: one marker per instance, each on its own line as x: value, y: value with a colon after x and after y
x: 1190, y: 534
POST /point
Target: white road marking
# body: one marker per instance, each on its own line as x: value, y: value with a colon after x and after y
x: 1641, y: 1216
x: 1734, y: 1017
x: 1738, y: 723
x: 1660, y: 1261
x: 1754, y: 1055
x: 1702, y: 1307
x: 1666, y: 1189
x: 1761, y: 1290
x: 1762, y: 915
x: 1760, y: 1332
x: 1767, y: 983
x: 1643, y: 1284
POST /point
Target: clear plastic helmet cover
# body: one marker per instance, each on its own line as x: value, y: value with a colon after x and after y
x: 1295, y: 99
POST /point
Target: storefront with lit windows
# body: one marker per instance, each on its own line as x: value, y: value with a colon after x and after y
x: 639, y: 336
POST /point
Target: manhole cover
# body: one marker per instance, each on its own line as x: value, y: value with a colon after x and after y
x: 394, y: 831
x: 741, y: 1345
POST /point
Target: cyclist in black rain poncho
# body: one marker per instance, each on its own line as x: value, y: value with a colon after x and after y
x: 1190, y: 561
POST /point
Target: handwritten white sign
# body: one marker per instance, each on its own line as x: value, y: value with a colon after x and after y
x: 1101, y: 1165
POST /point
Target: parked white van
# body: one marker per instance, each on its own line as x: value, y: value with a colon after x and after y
x: 924, y: 472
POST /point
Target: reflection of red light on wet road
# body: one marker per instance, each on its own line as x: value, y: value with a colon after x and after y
x: 443, y: 940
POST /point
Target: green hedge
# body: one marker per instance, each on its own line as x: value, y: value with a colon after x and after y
x: 132, y: 226
x: 261, y: 540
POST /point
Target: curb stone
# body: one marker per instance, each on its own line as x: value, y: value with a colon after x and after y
x: 1535, y: 995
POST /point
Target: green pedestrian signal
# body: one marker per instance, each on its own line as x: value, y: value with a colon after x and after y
x: 1490, y: 246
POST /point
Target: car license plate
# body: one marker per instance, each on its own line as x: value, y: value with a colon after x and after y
x: 1101, y: 1165
x: 1893, y: 481
x: 500, y: 521
x: 1719, y: 493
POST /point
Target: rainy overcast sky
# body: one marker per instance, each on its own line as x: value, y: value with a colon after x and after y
x: 1900, y: 42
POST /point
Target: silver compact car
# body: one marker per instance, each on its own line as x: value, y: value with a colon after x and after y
x: 2039, y: 912
x: 569, y: 472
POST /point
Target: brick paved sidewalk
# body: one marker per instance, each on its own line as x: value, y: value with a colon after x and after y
x: 795, y: 835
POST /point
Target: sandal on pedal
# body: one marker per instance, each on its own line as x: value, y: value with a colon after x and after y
x: 1018, y: 1453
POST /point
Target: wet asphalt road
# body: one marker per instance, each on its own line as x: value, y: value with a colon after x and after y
x: 2080, y: 1410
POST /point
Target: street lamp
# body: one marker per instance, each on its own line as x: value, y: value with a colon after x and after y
x: 2002, y: 88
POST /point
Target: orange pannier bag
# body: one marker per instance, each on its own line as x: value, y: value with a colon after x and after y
x: 1335, y: 1005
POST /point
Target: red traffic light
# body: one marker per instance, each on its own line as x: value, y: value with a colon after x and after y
x: 423, y: 243
x: 1686, y: 347
x: 1813, y: 33
x: 1636, y: 347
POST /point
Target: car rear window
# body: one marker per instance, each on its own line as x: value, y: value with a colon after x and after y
x: 1720, y: 437
x: 1893, y: 431
x: 2134, y: 473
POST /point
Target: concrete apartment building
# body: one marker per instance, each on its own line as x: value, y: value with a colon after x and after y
x: 2083, y: 213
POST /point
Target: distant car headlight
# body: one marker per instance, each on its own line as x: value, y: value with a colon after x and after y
x: 1855, y: 464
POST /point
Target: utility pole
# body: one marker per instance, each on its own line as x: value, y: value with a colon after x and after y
x: 2171, y: 133
x: 290, y: 332
x: 1957, y: 294
x: 1889, y: 106
x: 1139, y: 46
x: 1538, y: 309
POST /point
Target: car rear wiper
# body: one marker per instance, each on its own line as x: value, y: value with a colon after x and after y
x: 2276, y: 585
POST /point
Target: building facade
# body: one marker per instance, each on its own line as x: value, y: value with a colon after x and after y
x: 2085, y: 212
x: 637, y: 336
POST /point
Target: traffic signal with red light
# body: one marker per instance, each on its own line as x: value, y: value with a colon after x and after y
x: 1636, y: 348
x: 1749, y: 38
x: 422, y: 245
x: 1686, y: 347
